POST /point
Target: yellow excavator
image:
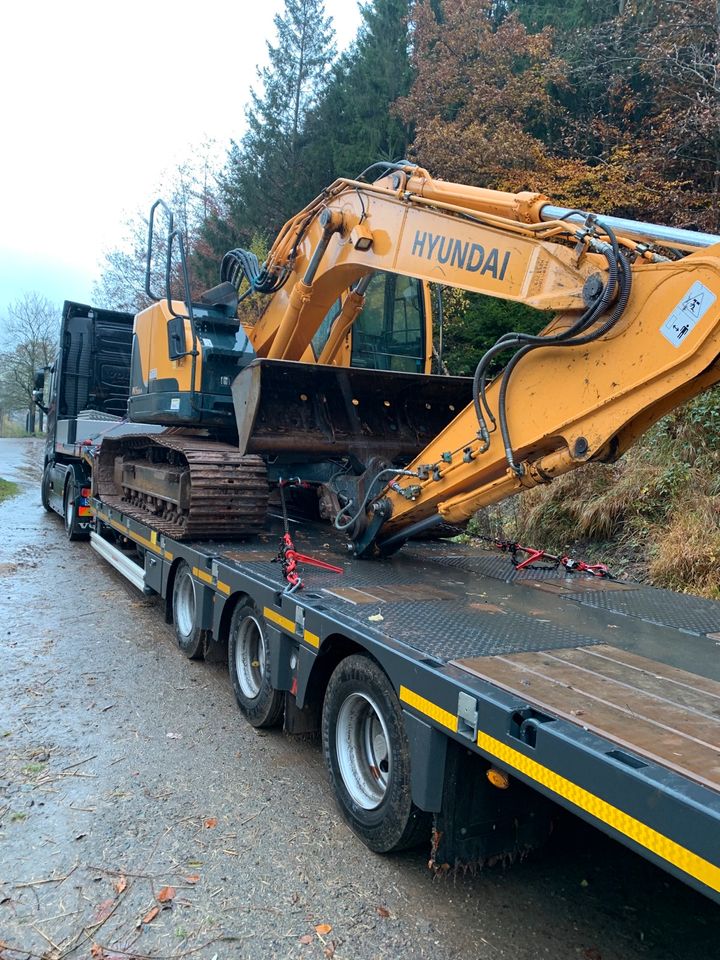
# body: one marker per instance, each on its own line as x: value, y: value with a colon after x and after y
x: 332, y: 385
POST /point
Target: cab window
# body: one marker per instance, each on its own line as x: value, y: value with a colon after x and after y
x: 389, y: 334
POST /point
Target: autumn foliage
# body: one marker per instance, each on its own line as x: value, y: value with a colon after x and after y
x: 619, y: 113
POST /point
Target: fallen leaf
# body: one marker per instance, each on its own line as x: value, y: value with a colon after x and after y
x: 103, y: 911
x: 193, y: 878
x: 151, y: 914
x: 120, y: 884
x: 210, y: 823
x: 330, y: 951
x: 97, y: 951
x: 166, y: 894
x: 592, y: 953
x: 383, y: 912
x: 322, y: 929
x: 306, y: 938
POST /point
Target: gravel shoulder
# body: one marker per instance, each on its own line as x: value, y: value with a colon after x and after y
x: 126, y: 769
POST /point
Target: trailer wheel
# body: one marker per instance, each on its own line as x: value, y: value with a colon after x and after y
x: 368, y: 756
x: 72, y: 529
x: 184, y: 607
x: 44, y: 488
x: 249, y: 665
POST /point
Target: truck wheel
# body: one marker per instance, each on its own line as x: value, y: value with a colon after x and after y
x: 72, y: 530
x: 184, y: 607
x: 45, y: 488
x: 249, y: 664
x: 368, y: 756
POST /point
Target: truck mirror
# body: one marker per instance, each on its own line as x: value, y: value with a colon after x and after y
x: 37, y: 396
x: 177, y: 346
x: 39, y: 382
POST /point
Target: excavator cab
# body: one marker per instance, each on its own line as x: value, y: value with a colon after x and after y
x: 393, y: 331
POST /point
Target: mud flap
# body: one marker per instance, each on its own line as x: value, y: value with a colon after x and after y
x: 284, y: 406
x: 481, y: 825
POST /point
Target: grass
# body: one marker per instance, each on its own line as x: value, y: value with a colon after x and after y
x: 32, y: 768
x: 8, y: 489
x: 655, y: 514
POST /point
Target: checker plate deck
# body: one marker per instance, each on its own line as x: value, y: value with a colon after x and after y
x: 638, y: 665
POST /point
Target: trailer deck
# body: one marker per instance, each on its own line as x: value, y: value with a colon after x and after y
x: 604, y: 696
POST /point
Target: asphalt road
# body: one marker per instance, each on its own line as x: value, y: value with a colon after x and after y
x: 126, y: 769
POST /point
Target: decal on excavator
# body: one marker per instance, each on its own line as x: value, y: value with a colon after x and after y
x: 466, y: 256
x: 688, y: 313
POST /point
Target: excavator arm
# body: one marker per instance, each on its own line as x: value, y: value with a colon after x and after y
x: 635, y: 332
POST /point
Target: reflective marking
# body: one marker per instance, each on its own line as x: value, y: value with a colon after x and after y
x: 279, y: 619
x: 223, y: 588
x: 429, y: 708
x: 136, y: 537
x: 680, y: 857
x: 312, y: 638
x: 168, y: 555
x: 202, y: 575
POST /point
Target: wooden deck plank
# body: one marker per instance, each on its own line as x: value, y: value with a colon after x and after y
x: 623, y: 723
x: 674, y: 674
x: 664, y: 713
x: 647, y: 680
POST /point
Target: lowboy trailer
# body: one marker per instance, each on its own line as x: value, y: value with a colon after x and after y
x: 446, y: 681
x: 460, y: 699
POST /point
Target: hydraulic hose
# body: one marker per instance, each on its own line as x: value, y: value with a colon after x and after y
x: 618, y: 310
x: 619, y: 276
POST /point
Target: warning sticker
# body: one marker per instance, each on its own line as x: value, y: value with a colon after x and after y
x: 689, y: 312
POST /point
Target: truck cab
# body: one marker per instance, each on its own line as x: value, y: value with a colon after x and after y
x: 86, y: 392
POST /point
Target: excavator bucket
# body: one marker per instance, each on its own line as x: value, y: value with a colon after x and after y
x: 290, y: 407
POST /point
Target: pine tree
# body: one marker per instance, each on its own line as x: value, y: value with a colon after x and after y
x: 353, y: 124
x: 263, y: 182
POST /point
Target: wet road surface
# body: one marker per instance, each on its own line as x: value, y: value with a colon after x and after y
x: 126, y: 769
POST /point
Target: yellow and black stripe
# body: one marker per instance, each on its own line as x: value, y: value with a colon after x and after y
x: 645, y: 836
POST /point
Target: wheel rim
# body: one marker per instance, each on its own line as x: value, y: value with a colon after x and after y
x: 250, y: 657
x: 185, y: 606
x: 363, y: 750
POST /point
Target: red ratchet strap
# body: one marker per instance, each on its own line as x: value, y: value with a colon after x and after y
x: 288, y: 555
x: 533, y: 556
x: 290, y: 558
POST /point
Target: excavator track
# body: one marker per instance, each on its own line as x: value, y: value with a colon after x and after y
x: 186, y: 487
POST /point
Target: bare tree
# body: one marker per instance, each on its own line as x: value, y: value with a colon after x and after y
x: 30, y: 332
x: 188, y: 193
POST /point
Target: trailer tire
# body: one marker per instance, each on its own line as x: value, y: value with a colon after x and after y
x: 249, y: 665
x: 190, y: 638
x: 44, y: 484
x: 72, y: 530
x: 368, y: 757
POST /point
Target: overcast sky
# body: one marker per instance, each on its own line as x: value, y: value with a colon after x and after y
x: 100, y: 99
